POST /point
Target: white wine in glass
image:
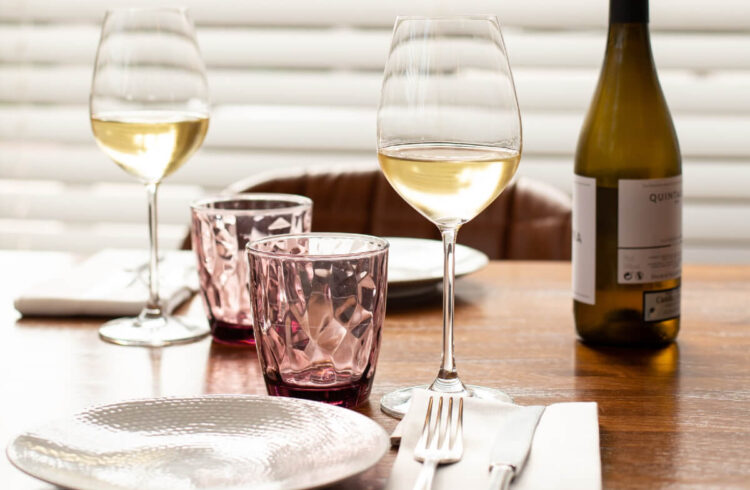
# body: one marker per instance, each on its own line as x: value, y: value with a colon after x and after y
x: 449, y: 142
x: 149, y: 145
x: 448, y: 184
x: 149, y: 113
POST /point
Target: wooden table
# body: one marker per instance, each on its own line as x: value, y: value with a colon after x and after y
x: 677, y: 417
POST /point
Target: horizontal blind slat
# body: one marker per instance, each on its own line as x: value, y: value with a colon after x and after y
x: 124, y: 203
x: 715, y: 254
x: 353, y: 129
x: 343, y: 48
x: 538, y: 88
x: 665, y: 14
x: 704, y: 179
x: 86, y: 164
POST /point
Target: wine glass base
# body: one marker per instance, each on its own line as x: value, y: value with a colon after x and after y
x: 153, y: 332
x: 396, y: 403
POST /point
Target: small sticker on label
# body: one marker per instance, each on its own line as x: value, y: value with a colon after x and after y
x: 661, y: 305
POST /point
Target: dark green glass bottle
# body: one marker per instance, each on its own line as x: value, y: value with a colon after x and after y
x: 627, y: 217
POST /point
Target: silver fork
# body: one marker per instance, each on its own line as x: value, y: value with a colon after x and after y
x: 441, y: 441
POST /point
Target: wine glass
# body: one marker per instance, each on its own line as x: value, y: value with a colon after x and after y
x: 149, y: 112
x: 449, y: 142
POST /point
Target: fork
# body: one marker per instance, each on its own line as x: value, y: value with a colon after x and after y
x: 441, y: 441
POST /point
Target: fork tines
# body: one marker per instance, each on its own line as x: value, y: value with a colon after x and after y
x: 442, y: 427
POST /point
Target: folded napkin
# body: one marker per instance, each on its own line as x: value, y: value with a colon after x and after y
x: 564, y: 453
x: 111, y: 283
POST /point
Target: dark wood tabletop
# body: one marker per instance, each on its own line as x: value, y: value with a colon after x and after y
x: 677, y: 417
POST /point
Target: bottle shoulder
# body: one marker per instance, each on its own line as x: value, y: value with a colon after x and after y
x: 628, y: 132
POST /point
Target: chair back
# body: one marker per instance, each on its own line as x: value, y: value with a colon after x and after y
x: 529, y: 221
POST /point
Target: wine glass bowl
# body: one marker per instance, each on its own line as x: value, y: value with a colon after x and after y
x: 149, y: 110
x: 449, y: 142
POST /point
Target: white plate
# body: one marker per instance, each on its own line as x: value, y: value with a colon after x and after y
x: 415, y: 265
x: 216, y: 441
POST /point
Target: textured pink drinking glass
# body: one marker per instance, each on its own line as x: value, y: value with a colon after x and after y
x: 319, y: 304
x: 221, y: 228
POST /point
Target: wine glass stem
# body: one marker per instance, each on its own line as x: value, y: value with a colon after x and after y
x: 447, y: 379
x: 153, y: 308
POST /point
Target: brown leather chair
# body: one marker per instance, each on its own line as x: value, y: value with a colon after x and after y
x: 529, y: 221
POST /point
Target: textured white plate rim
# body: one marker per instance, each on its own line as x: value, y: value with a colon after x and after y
x: 8, y: 454
x: 468, y: 260
x: 375, y: 454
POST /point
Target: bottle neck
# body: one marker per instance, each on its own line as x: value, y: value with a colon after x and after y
x: 629, y: 71
x: 628, y: 29
x: 629, y: 42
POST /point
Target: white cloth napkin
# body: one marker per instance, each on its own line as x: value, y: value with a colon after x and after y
x: 111, y: 283
x: 564, y: 452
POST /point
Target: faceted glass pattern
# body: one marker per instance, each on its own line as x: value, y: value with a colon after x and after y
x: 221, y: 228
x: 319, y: 304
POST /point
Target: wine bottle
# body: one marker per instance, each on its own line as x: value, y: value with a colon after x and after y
x: 627, y: 197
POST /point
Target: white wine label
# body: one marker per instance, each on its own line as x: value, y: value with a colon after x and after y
x: 649, y: 230
x: 661, y: 305
x: 584, y: 239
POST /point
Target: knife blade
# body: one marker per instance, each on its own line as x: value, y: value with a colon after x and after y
x: 512, y: 444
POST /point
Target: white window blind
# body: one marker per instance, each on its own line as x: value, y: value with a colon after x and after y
x: 296, y: 83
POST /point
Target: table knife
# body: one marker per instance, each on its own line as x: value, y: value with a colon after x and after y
x: 512, y: 444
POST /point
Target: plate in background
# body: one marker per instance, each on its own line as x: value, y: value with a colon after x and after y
x: 415, y: 265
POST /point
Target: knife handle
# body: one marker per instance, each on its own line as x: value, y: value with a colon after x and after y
x: 500, y: 477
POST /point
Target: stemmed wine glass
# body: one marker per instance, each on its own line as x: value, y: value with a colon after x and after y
x: 149, y: 111
x: 449, y: 142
